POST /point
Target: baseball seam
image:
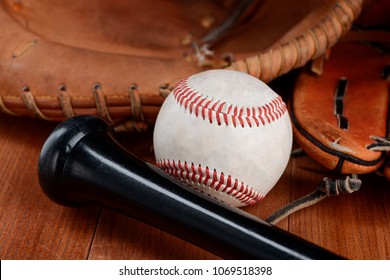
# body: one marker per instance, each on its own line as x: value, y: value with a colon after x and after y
x: 218, y: 181
x: 220, y: 112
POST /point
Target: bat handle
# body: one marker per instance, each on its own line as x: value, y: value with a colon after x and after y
x: 81, y: 163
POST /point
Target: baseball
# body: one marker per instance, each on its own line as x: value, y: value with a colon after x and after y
x: 225, y: 134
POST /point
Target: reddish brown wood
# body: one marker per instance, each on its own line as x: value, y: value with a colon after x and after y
x: 32, y: 227
x: 120, y: 237
x: 354, y: 225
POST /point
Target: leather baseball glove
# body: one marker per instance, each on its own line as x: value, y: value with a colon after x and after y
x: 340, y: 111
x: 118, y: 59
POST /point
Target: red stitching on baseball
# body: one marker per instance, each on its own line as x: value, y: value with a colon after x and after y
x: 213, y: 110
x: 190, y: 173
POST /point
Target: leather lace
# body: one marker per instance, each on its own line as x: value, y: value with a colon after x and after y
x: 328, y: 186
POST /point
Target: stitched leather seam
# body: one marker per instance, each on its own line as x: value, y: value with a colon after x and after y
x: 75, y: 97
x: 29, y: 101
x: 135, y: 102
x: 218, y: 181
x: 65, y: 101
x: 341, y: 17
x: 101, y: 105
x: 4, y: 109
x: 220, y: 112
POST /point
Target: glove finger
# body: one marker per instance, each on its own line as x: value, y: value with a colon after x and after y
x: 336, y: 114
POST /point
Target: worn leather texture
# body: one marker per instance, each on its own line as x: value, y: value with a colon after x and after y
x: 119, y: 59
x: 336, y: 114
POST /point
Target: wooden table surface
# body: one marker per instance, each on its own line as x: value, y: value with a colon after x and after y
x: 356, y: 226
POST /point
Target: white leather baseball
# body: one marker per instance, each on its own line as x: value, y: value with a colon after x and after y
x: 226, y: 134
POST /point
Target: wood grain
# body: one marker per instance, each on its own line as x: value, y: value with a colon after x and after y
x: 137, y: 240
x: 31, y: 226
x: 355, y: 226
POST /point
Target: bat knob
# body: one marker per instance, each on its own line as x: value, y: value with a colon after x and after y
x: 57, y: 150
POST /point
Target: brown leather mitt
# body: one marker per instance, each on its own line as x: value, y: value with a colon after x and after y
x: 340, y: 117
x: 118, y: 59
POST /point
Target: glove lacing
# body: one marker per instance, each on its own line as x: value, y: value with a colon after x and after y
x: 328, y: 186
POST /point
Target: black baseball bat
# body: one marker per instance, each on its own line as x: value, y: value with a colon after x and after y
x: 82, y: 163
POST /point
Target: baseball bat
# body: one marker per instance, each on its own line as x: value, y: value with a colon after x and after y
x: 81, y: 163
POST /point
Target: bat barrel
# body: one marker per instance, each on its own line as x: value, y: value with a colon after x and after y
x: 81, y: 163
